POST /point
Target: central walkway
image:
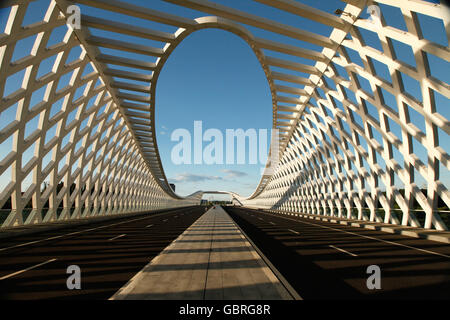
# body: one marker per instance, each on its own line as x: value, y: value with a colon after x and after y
x: 212, y: 259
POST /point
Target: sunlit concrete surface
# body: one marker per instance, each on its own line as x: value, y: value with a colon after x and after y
x: 211, y: 260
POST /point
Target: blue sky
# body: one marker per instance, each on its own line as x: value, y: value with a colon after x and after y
x: 213, y: 76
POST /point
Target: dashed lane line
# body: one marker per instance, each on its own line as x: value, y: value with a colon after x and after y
x: 367, y: 237
x: 119, y: 236
x: 73, y: 233
x: 342, y: 250
x: 27, y: 269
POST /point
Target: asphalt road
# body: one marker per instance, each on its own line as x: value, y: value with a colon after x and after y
x: 321, y: 260
x: 324, y: 260
x: 108, y: 253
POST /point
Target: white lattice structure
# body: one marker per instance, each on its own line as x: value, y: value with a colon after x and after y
x: 343, y: 125
x: 96, y: 154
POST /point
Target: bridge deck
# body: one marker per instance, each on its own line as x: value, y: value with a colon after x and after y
x: 212, y: 259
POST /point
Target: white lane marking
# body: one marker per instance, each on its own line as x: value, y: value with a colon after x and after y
x: 27, y: 269
x: 368, y: 237
x: 345, y: 251
x: 149, y: 226
x: 272, y: 223
x: 164, y: 220
x: 119, y: 236
x: 293, y: 231
x: 261, y: 219
x: 72, y: 233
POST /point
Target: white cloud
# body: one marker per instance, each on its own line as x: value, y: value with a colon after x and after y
x: 234, y: 173
x: 190, y: 177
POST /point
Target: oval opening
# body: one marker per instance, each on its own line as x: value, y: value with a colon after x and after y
x: 213, y: 82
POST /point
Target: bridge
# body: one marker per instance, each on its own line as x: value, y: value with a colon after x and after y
x: 357, y: 177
